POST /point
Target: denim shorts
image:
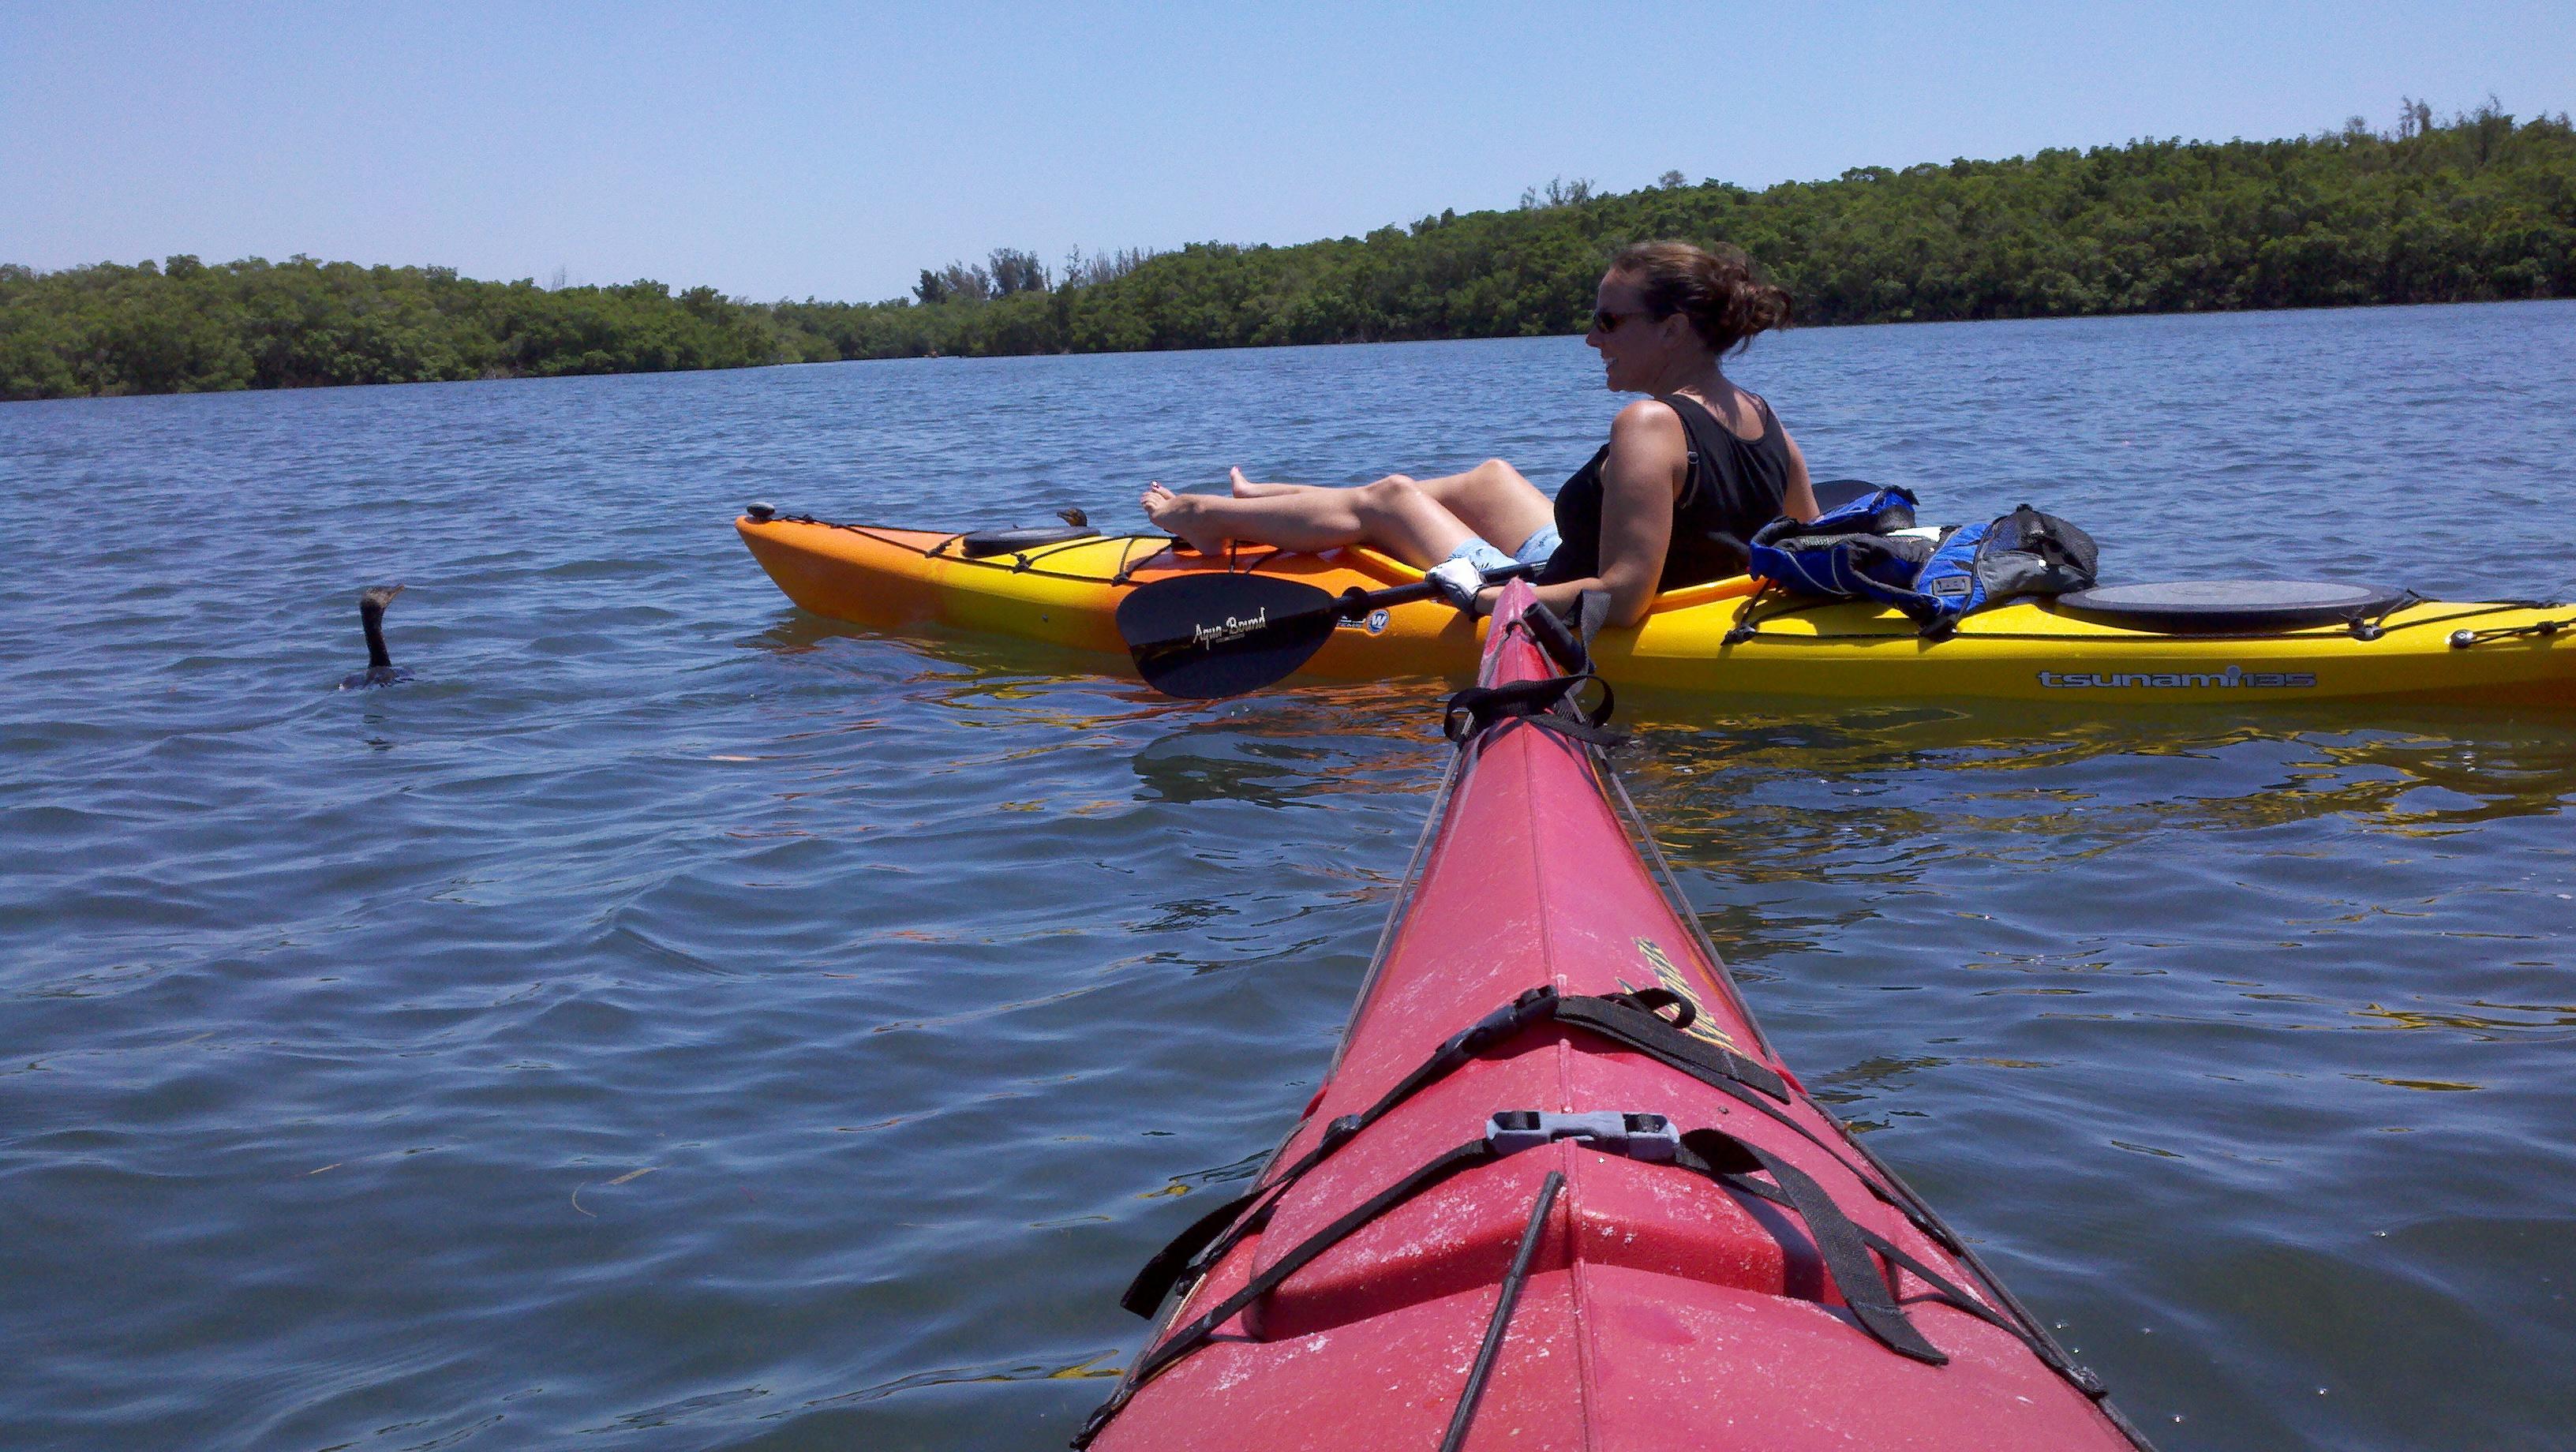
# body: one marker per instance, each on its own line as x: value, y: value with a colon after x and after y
x: 1489, y: 557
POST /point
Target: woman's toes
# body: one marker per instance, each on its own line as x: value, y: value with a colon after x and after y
x: 1165, y: 508
x: 1183, y: 516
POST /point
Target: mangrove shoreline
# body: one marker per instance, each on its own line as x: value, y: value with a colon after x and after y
x: 2477, y: 208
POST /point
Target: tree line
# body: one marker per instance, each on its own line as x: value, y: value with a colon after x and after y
x: 2474, y: 208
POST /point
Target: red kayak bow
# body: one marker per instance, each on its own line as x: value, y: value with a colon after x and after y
x: 1559, y: 1193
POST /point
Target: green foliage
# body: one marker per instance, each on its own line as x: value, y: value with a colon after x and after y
x: 1016, y: 272
x: 2478, y: 208
x: 185, y: 327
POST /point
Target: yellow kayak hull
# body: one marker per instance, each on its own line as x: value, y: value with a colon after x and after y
x: 1068, y: 593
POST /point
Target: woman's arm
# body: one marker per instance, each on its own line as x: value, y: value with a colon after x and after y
x: 1648, y: 464
x: 1798, y: 501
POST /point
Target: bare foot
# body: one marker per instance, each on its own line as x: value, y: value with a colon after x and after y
x: 1245, y: 488
x: 1182, y: 515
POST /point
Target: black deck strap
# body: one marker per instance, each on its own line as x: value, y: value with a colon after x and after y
x: 1566, y: 726
x: 1207, y: 1240
x: 1730, y: 1161
x: 1189, y: 1338
x: 1479, y: 709
x: 1736, y: 1090
x: 1629, y: 1019
x: 1591, y: 612
x: 1145, y: 1293
x: 1655, y: 1001
x: 1504, y: 1302
x: 1949, y: 1294
x: 1714, y: 1154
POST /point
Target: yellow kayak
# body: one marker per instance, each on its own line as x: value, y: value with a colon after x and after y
x: 1063, y: 586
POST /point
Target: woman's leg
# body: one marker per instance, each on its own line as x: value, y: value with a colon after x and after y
x: 1394, y: 514
x: 1246, y: 488
x: 1495, y: 501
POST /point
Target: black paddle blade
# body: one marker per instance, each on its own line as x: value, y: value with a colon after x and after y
x: 1216, y: 634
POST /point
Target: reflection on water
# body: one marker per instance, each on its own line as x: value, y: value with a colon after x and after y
x: 2477, y: 1020
x: 2077, y: 784
x: 1200, y: 764
x: 1280, y: 758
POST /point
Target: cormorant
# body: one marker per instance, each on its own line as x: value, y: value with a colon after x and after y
x: 381, y: 670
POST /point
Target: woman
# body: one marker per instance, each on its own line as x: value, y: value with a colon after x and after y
x: 1689, y: 474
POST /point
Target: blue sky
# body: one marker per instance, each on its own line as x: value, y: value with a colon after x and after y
x: 833, y: 151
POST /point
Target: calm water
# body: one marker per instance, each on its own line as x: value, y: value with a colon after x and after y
x: 677, y: 1022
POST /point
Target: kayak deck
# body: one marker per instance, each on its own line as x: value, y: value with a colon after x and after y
x: 1067, y: 594
x: 1660, y: 1309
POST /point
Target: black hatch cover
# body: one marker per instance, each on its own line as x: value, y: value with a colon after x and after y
x: 2228, y: 607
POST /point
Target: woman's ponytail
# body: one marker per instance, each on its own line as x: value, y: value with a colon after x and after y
x: 1714, y: 287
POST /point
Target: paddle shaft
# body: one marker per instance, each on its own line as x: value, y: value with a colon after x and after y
x: 1353, y: 606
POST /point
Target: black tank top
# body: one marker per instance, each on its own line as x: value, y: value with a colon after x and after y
x: 1734, y: 487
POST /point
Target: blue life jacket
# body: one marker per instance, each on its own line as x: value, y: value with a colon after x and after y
x: 1846, y: 552
x: 1850, y: 554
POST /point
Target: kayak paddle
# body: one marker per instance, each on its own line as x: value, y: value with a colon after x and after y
x: 1218, y: 633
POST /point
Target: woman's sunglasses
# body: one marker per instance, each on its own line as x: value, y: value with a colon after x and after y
x: 1606, y: 321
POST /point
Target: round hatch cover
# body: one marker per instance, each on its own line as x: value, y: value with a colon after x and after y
x: 2228, y: 607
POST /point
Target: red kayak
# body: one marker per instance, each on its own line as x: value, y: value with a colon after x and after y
x: 1558, y: 1192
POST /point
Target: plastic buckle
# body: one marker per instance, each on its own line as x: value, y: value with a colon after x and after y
x: 1649, y: 1137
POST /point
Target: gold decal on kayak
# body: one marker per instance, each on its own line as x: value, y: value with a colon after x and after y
x: 1669, y: 976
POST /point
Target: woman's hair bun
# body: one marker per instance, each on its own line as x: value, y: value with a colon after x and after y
x: 1714, y: 287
